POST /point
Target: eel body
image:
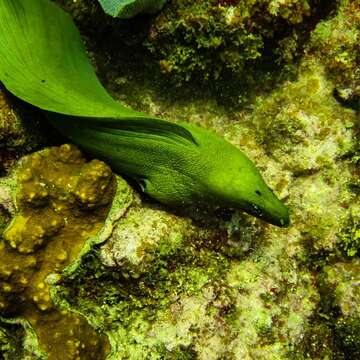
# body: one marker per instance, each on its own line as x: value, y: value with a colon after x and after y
x: 43, y: 62
x: 125, y: 9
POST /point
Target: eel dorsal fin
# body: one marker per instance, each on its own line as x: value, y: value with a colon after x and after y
x: 43, y: 61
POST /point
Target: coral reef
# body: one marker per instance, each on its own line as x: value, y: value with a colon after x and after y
x: 336, y: 41
x: 341, y: 291
x: 58, y: 193
x: 171, y: 286
x: 240, y: 288
x: 206, y: 39
x: 174, y: 287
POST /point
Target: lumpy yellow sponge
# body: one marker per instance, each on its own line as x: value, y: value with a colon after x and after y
x: 62, y: 200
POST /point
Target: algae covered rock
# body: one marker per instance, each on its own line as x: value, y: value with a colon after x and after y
x: 170, y: 284
x: 146, y: 234
x: 341, y: 286
x: 160, y: 285
x: 207, y: 39
x: 336, y: 40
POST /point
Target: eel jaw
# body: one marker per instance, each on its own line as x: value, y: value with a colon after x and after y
x: 278, y: 216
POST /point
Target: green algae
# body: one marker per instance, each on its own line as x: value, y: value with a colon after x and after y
x: 188, y: 300
x: 349, y: 237
x: 19, y: 340
x: 205, y: 40
x: 336, y: 41
x: 339, y: 284
x: 4, y: 219
x: 347, y: 332
x: 10, y: 340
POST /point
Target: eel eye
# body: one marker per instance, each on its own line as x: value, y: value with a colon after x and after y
x: 258, y: 192
x: 142, y: 184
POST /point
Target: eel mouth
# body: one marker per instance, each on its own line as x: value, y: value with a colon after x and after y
x: 278, y: 216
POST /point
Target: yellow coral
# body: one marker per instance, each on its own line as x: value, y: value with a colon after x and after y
x: 50, y: 228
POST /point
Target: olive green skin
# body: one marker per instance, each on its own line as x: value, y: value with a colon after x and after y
x: 43, y: 61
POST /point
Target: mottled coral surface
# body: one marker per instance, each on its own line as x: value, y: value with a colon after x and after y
x: 55, y: 201
x: 207, y: 39
x: 177, y: 283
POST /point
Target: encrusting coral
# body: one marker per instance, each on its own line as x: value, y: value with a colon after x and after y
x: 207, y: 39
x: 62, y: 200
x: 337, y: 42
x: 340, y: 285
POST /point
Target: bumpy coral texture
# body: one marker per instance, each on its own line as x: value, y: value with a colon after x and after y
x: 58, y: 192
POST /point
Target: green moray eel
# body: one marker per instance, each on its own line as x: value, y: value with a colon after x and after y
x: 125, y: 9
x: 43, y: 62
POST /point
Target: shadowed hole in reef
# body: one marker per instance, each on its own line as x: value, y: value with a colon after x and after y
x: 11, y: 336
